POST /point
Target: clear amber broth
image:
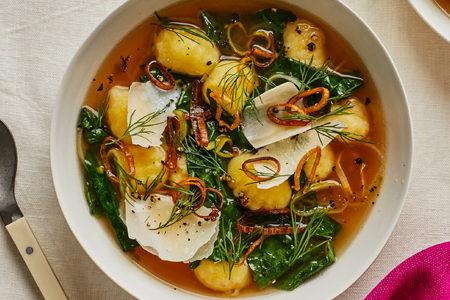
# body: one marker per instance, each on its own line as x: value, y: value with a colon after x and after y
x: 138, y: 44
x: 444, y: 5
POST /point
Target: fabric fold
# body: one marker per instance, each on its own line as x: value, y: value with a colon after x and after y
x: 424, y: 276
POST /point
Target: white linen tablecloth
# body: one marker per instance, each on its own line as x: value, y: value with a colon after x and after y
x: 39, y: 38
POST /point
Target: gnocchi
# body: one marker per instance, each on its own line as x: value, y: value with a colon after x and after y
x: 148, y: 163
x: 304, y: 41
x: 326, y: 163
x: 116, y: 115
x: 274, y: 197
x: 192, y: 56
x: 357, y: 121
x: 221, y: 77
x: 216, y: 276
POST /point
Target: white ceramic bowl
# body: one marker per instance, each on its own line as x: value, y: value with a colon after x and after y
x: 433, y: 16
x: 102, y: 247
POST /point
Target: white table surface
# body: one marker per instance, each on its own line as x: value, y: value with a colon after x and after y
x: 38, y: 39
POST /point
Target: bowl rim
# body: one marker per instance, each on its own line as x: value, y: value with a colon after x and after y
x: 129, y: 288
x: 433, y: 16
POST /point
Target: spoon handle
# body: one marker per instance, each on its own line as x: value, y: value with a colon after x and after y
x: 34, y: 258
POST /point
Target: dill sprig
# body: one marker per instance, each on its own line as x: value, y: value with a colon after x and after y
x: 270, y: 174
x: 181, y: 31
x: 102, y: 107
x: 141, y: 127
x: 183, y: 207
x: 234, y: 85
x: 231, y: 248
x: 301, y: 239
x: 330, y: 131
x: 198, y: 157
x: 341, y: 111
x: 346, y: 94
x: 129, y: 185
x: 309, y: 74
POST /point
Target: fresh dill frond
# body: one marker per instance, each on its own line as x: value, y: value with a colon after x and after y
x: 141, y: 127
x: 184, y: 32
x: 235, y: 86
x: 102, y: 107
x: 129, y: 185
x: 309, y: 74
x: 347, y: 93
x: 270, y: 84
x: 178, y: 188
x: 302, y: 239
x: 198, y: 157
x: 270, y: 174
x: 330, y: 131
x: 341, y: 111
x: 181, y: 31
x: 231, y: 248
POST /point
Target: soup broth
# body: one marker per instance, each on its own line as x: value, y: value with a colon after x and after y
x: 138, y: 46
x: 444, y: 5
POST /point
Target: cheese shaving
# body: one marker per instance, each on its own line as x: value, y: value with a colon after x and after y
x: 144, y: 99
x: 291, y: 150
x: 192, y: 238
x: 260, y: 130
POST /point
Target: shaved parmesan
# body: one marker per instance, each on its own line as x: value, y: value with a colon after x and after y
x: 291, y: 150
x: 205, y: 250
x: 144, y: 99
x: 261, y: 131
x: 150, y: 249
x: 190, y: 239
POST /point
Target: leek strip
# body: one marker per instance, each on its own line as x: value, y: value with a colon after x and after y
x: 294, y: 80
x: 237, y: 51
x: 299, y: 199
x: 222, y: 140
x: 183, y: 124
x: 219, y: 143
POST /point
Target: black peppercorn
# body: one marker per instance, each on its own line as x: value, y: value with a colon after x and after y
x: 235, y: 18
x: 311, y: 46
x: 292, y: 17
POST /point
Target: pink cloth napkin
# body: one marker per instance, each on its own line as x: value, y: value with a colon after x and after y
x: 424, y: 276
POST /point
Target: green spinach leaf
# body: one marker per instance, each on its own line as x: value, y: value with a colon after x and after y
x: 108, y: 198
x: 193, y: 265
x: 183, y: 101
x: 95, y: 207
x: 89, y: 123
x: 306, y: 267
x: 143, y: 78
x: 212, y: 127
x: 215, y: 30
x: 339, y: 86
x: 271, y: 260
x: 329, y: 228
